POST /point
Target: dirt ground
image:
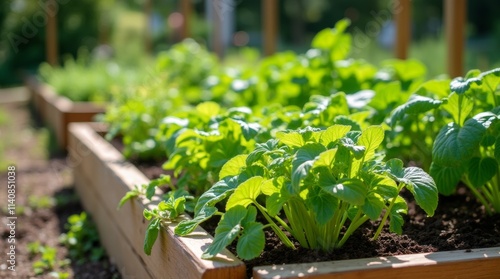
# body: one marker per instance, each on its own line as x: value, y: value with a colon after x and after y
x: 43, y: 200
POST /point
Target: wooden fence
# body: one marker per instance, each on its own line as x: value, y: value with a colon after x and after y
x: 454, y: 18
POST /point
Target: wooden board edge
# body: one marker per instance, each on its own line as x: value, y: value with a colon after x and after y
x: 450, y: 264
x: 119, y: 251
x: 84, y: 137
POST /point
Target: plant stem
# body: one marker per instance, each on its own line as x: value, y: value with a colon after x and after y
x: 275, y: 227
x: 387, y: 213
x: 356, y: 222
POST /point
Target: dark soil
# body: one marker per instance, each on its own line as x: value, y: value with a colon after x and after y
x: 39, y: 175
x: 460, y: 222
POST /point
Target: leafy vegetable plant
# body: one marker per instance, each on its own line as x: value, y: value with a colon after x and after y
x: 327, y: 183
x: 468, y: 148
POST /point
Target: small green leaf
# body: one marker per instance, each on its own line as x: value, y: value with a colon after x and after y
x: 482, y: 170
x: 461, y: 85
x: 227, y: 230
x: 396, y: 220
x: 303, y: 161
x: 246, y: 193
x: 371, y: 138
x: 373, y: 206
x: 129, y: 195
x: 187, y: 226
x: 252, y: 241
x: 233, y: 167
x: 151, y: 235
x: 395, y: 168
x: 147, y: 214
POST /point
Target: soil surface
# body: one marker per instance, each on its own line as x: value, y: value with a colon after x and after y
x: 44, y: 195
x: 460, y: 222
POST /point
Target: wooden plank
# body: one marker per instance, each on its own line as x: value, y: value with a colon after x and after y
x: 112, y: 177
x: 119, y: 250
x: 217, y: 40
x: 455, y: 15
x: 479, y: 263
x: 186, y: 10
x: 403, y: 28
x: 270, y: 13
x: 51, y: 35
x: 148, y: 40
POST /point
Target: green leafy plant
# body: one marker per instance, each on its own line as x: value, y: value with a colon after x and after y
x: 48, y: 259
x: 82, y: 239
x: 468, y: 148
x: 326, y: 182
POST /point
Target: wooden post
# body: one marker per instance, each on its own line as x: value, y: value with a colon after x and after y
x: 51, y: 35
x: 455, y: 18
x: 186, y: 10
x: 148, y: 8
x: 217, y: 41
x: 403, y: 29
x: 270, y: 13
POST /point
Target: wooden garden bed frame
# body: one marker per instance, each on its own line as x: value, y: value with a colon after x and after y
x: 58, y: 111
x: 103, y: 176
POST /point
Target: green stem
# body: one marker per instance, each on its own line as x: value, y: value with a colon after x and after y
x: 387, y: 213
x: 275, y: 227
x: 356, y: 222
x: 478, y: 195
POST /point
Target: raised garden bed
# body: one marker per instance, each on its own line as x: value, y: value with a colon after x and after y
x: 58, y: 111
x: 103, y: 176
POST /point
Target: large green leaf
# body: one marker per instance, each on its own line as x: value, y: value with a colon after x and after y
x: 322, y: 204
x: 303, y: 161
x: 233, y: 166
x: 423, y: 188
x: 334, y: 133
x: 455, y: 145
x: 446, y: 177
x: 439, y: 88
x: 252, y: 241
x: 246, y: 193
x: 326, y: 158
x: 352, y: 191
x: 415, y: 105
x: 292, y: 139
x: 482, y: 170
x: 459, y: 107
x: 227, y: 230
x: 216, y: 193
